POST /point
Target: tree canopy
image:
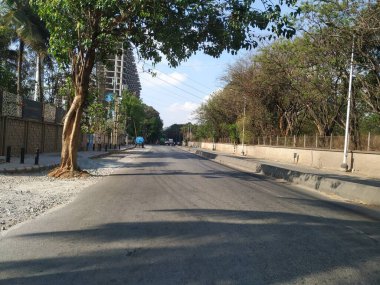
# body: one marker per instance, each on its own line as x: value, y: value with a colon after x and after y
x: 175, y: 29
x: 82, y: 32
x: 299, y: 86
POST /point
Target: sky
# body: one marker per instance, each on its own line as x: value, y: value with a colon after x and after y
x: 177, y: 92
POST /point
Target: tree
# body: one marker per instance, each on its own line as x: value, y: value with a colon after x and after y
x: 31, y: 31
x: 7, y: 59
x: 84, y: 31
x: 317, y: 77
x: 367, y: 29
x: 174, y: 132
x: 354, y: 23
x: 152, y: 125
x: 132, y: 112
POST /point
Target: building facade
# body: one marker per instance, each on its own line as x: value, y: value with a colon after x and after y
x: 120, y: 73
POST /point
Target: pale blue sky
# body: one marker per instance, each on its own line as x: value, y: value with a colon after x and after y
x: 176, y: 93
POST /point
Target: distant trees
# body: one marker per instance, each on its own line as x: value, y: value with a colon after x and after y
x: 140, y: 119
x: 8, y: 58
x: 83, y: 31
x: 131, y: 115
x: 30, y: 30
x: 299, y: 86
x: 152, y: 125
x: 174, y: 132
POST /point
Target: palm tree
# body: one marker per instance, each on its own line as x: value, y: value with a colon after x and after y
x: 31, y: 31
x: 7, y: 59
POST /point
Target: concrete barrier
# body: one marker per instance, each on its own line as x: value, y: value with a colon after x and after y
x: 356, y: 192
x: 365, y: 163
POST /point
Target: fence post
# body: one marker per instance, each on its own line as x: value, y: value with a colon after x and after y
x: 8, y: 157
x: 369, y: 141
x: 316, y: 140
x: 294, y: 140
x: 277, y: 141
x: 258, y: 140
x: 22, y: 156
x: 37, y: 157
x: 304, y: 141
x: 270, y: 140
x: 285, y: 141
x: 264, y: 140
x: 331, y: 137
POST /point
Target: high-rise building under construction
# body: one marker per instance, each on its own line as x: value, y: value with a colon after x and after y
x: 120, y: 73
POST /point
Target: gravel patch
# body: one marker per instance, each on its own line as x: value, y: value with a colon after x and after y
x: 25, y: 196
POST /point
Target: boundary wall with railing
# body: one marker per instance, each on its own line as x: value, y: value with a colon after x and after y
x: 365, y: 163
x: 34, y: 125
x: 365, y: 142
x: 29, y: 125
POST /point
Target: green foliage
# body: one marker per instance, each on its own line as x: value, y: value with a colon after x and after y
x: 300, y: 86
x: 7, y: 57
x: 233, y: 132
x: 152, y: 125
x: 176, y: 29
x: 67, y: 89
x: 174, y: 132
x: 95, y: 119
x: 132, y: 108
x: 370, y: 123
x: 7, y: 78
x: 28, y: 25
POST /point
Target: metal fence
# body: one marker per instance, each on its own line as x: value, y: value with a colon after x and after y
x: 12, y: 105
x: 28, y: 125
x: 366, y: 142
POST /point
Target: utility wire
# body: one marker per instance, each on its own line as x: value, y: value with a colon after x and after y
x: 171, y: 92
x: 184, y: 83
x: 179, y: 88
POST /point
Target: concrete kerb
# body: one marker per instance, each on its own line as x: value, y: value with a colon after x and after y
x: 38, y: 168
x: 28, y: 169
x: 110, y: 152
x: 347, y: 190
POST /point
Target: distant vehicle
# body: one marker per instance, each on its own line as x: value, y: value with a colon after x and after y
x: 169, y: 142
x: 139, y: 141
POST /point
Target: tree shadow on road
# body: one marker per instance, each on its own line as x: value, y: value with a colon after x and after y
x: 205, y: 246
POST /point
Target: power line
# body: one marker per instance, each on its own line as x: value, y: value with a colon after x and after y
x: 169, y: 83
x: 201, y: 84
x: 183, y: 90
x: 184, y: 83
x: 170, y: 92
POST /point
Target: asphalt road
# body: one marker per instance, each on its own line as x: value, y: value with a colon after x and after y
x: 170, y: 217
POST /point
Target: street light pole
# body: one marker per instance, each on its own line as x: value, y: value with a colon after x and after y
x: 242, y: 143
x: 347, y: 135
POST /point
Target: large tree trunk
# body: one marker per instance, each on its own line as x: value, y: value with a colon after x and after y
x: 19, y: 66
x: 81, y: 69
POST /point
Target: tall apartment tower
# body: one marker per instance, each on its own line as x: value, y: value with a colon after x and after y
x: 120, y: 73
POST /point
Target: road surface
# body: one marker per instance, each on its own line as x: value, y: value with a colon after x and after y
x: 169, y: 217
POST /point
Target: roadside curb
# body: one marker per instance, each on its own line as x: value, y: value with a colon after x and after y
x: 110, y: 152
x: 28, y: 169
x: 351, y: 191
x: 38, y: 168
